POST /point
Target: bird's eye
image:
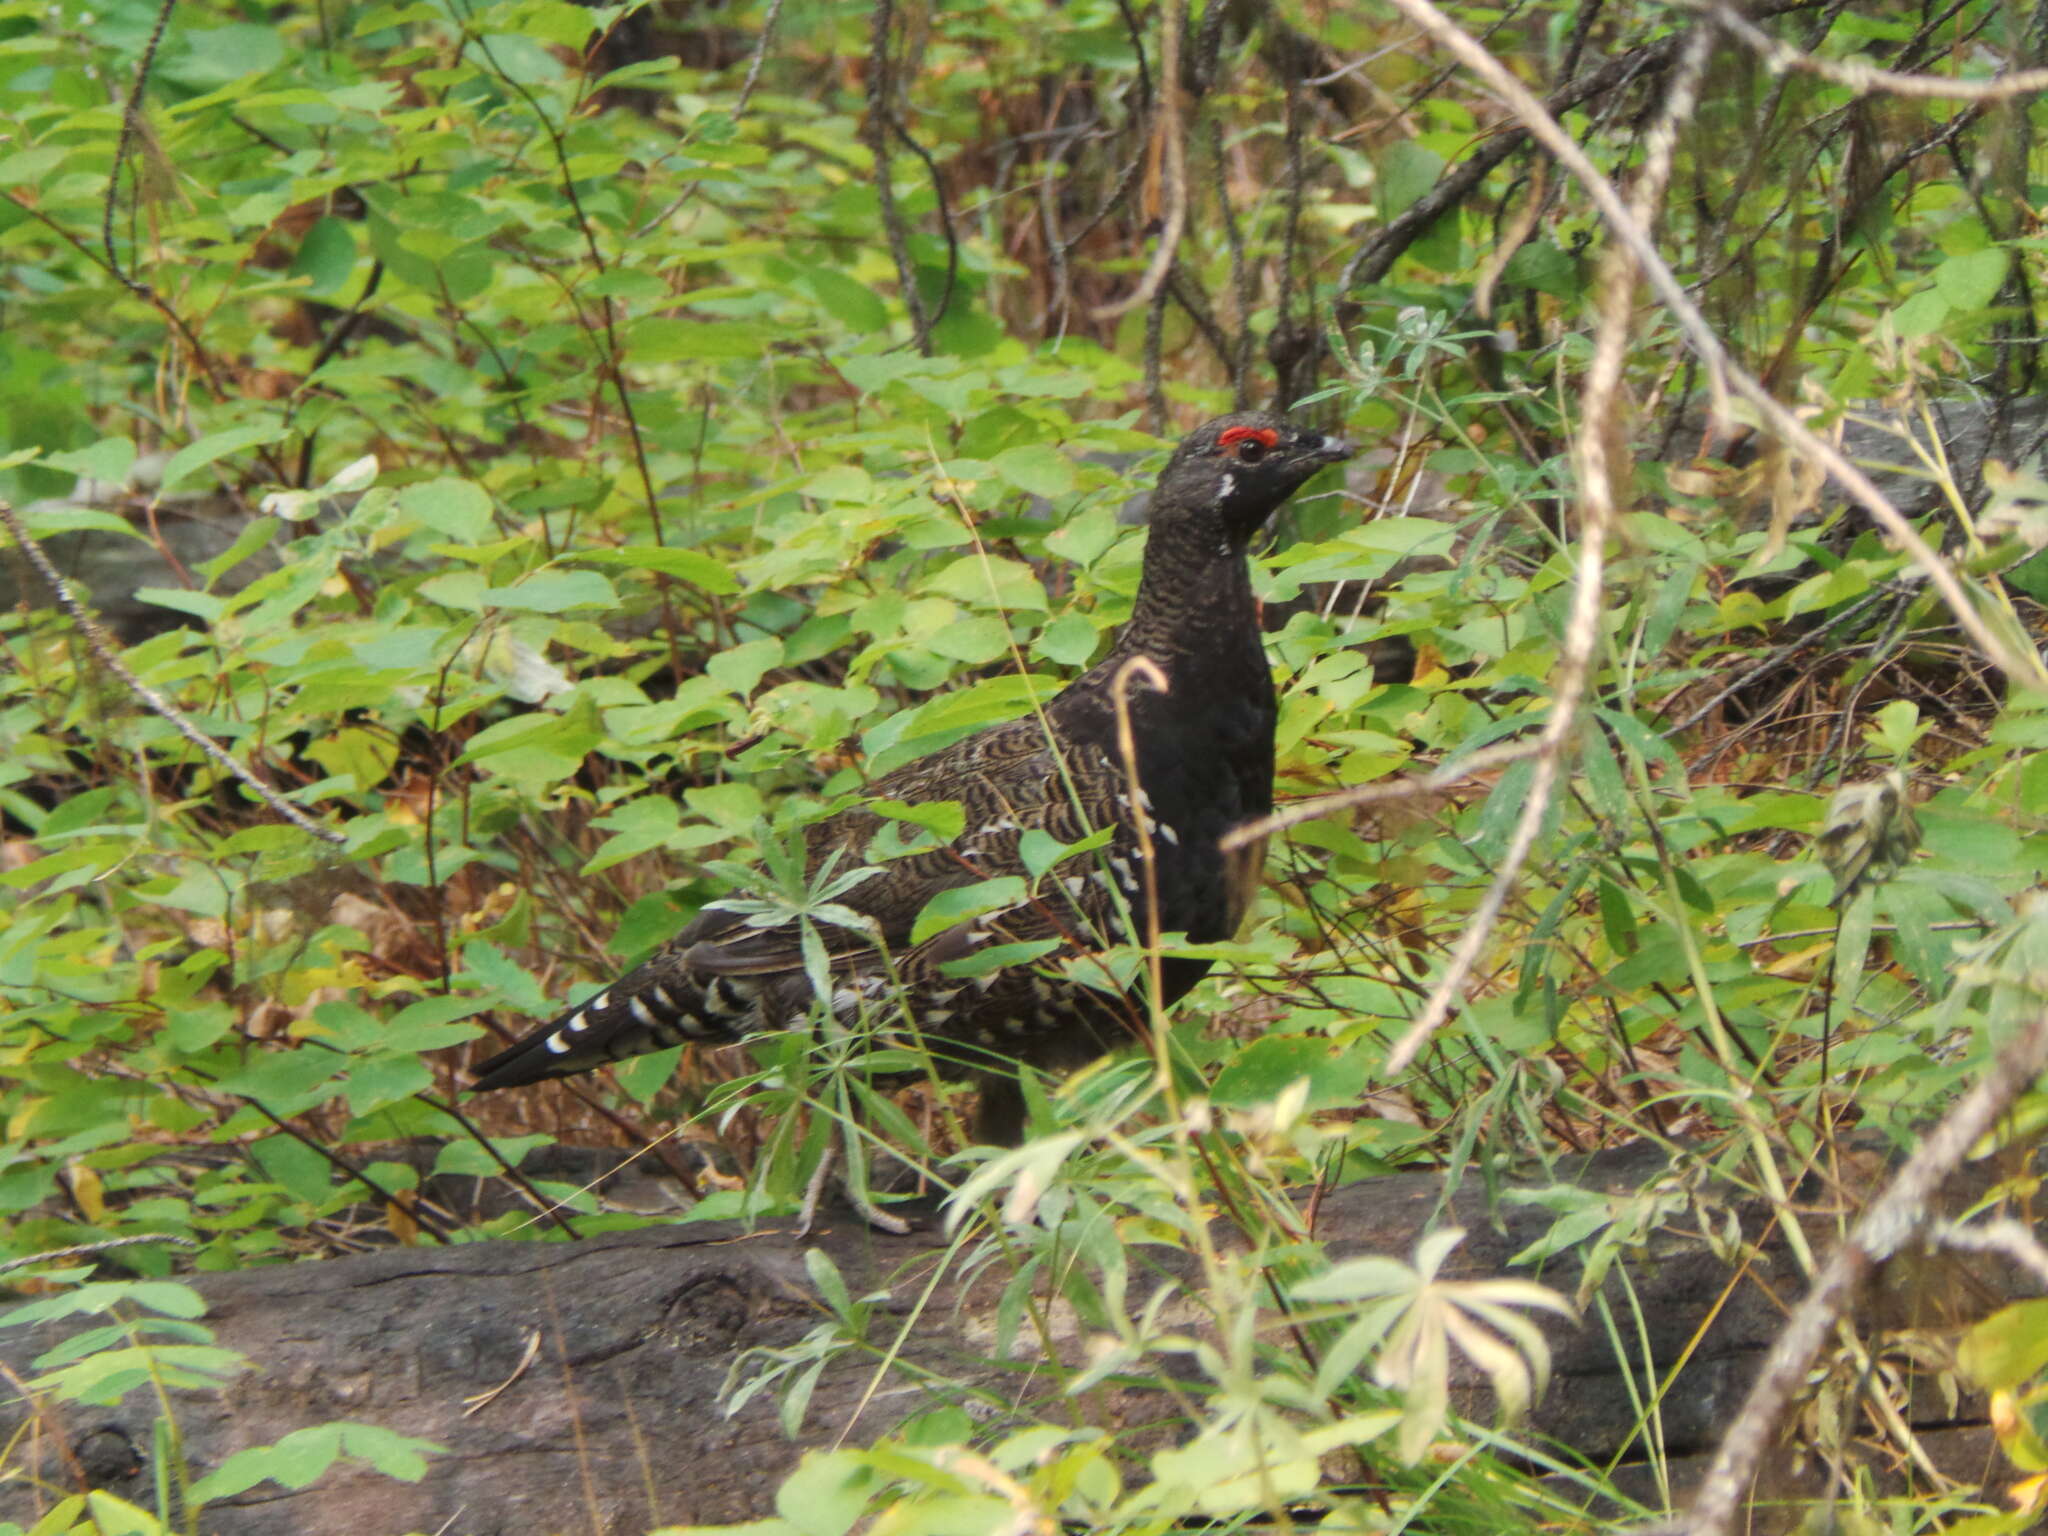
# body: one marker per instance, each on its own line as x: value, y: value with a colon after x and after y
x: 1250, y: 451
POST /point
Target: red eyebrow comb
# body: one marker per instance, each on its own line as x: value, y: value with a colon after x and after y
x: 1265, y: 437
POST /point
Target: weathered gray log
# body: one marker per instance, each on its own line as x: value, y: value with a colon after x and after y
x: 614, y: 1425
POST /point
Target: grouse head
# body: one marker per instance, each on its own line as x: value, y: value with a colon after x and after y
x: 1237, y: 470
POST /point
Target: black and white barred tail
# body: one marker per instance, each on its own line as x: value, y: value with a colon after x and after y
x: 649, y: 1010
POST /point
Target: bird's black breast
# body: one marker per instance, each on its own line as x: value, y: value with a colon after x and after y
x: 1207, y: 770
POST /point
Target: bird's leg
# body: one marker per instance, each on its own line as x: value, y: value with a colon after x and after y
x: 852, y: 1187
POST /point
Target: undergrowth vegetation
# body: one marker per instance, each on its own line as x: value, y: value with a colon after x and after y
x: 562, y: 463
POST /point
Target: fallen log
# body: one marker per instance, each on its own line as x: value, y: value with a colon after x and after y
x: 578, y: 1386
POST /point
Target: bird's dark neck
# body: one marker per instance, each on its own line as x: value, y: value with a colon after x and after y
x: 1195, y: 604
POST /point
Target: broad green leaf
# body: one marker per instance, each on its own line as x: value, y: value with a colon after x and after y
x: 1038, y: 468
x: 109, y: 459
x: 694, y: 566
x: 458, y: 508
x: 554, y: 592
x: 327, y: 257
x: 660, y: 340
x: 948, y: 909
x: 1971, y: 281
x: 192, y: 458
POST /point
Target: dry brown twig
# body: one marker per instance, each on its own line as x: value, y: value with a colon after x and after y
x: 1483, y: 761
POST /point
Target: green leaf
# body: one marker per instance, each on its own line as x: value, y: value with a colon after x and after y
x: 45, y: 518
x: 327, y: 257
x: 31, y: 165
x: 537, y: 746
x: 1539, y: 264
x: 194, y: 457
x: 854, y: 305
x: 2008, y: 1347
x: 1845, y: 581
x: 1407, y: 171
x: 827, y: 1492
x: 554, y: 592
x: 385, y: 1080
x: 167, y: 1297
x: 944, y: 819
x: 740, y: 669
x: 732, y: 808
x: 1922, y: 315
x: 257, y: 535
x: 109, y: 459
x: 1267, y: 1067
x: 458, y: 508
x: 658, y: 340
x: 843, y: 483
x: 1971, y: 281
x: 215, y: 55
x: 990, y: 581
x: 693, y: 566
x: 998, y: 957
x: 948, y: 909
x: 1038, y: 469
x: 1068, y: 640
x: 304, y: 1456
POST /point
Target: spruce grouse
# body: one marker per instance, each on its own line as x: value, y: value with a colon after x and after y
x: 1204, y: 755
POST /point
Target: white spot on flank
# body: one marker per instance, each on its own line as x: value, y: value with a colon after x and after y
x: 576, y: 1026
x: 557, y: 1044
x: 1167, y: 832
x: 602, y: 1001
x: 644, y: 1014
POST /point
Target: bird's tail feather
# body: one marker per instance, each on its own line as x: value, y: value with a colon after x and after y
x: 629, y: 1018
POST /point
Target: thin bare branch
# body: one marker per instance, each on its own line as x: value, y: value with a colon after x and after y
x: 1483, y: 761
x: 880, y: 124
x: 739, y: 107
x: 1865, y: 78
x: 2009, y: 1239
x: 102, y: 648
